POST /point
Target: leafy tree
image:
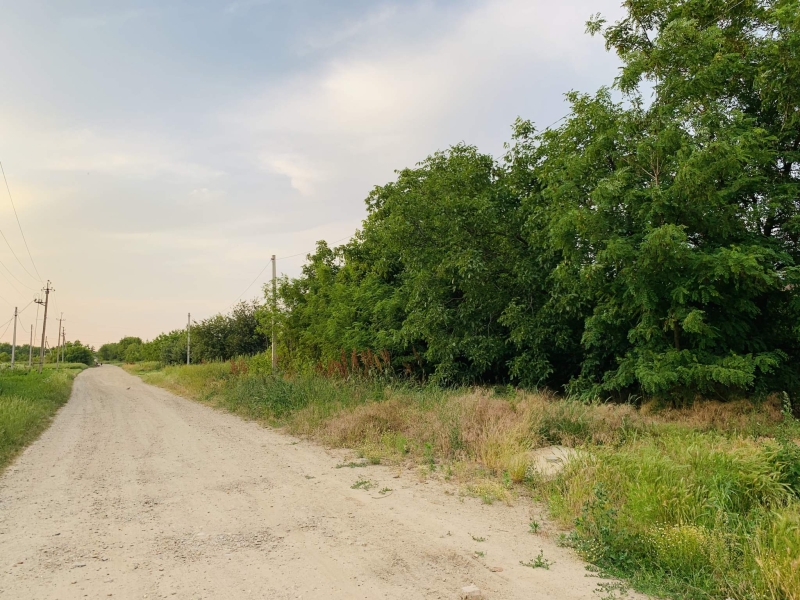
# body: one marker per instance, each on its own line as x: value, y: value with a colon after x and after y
x: 75, y: 352
x: 225, y: 336
x: 109, y: 352
x: 685, y: 212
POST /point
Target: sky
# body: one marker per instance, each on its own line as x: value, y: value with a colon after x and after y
x: 159, y: 152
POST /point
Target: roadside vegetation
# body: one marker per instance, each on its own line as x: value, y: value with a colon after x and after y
x: 28, y: 402
x: 641, y: 258
x: 73, y: 352
x: 699, y: 502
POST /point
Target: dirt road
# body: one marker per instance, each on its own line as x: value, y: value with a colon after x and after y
x: 136, y: 493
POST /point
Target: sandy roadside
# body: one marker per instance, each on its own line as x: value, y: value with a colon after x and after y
x: 137, y: 493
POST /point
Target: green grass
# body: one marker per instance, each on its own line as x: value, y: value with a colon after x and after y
x: 259, y: 395
x: 701, y: 502
x: 28, y: 402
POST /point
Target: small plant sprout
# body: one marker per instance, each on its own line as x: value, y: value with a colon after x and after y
x: 479, y: 554
x: 385, y: 490
x: 540, y: 562
x: 533, y: 526
x: 363, y: 484
x: 478, y: 539
x: 611, y: 590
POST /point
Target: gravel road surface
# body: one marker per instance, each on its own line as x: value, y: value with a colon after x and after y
x: 134, y: 492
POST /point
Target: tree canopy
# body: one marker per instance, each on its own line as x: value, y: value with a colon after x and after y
x: 645, y: 245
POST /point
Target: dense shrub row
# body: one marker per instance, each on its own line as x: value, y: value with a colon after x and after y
x: 647, y: 245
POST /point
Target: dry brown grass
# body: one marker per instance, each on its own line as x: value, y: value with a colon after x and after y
x: 497, y: 434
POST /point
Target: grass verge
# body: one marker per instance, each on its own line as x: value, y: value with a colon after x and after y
x: 28, y: 402
x: 700, y: 503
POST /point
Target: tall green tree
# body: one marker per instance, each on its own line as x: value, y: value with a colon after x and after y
x: 689, y: 238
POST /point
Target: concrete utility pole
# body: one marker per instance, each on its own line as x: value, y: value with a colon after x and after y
x: 63, y: 344
x: 274, y: 306
x: 14, y: 342
x: 58, y: 351
x: 30, y: 349
x: 189, y: 339
x: 47, y: 291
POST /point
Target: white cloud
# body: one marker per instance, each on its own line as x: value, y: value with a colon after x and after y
x: 302, y: 176
x: 384, y: 93
x: 329, y: 38
x: 202, y: 196
x: 123, y: 153
x: 191, y: 199
x: 384, y: 102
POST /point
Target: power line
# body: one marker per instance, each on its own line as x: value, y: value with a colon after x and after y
x: 26, y: 306
x: 19, y: 312
x: 10, y: 282
x: 279, y: 258
x: 20, y: 226
x: 7, y: 324
x: 15, y: 256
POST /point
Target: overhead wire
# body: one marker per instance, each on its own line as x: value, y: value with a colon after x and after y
x: 277, y: 258
x: 19, y: 312
x: 7, y: 324
x: 11, y: 283
x: 15, y: 256
x: 19, y: 224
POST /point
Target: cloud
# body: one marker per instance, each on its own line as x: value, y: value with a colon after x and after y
x: 325, y: 39
x: 123, y: 153
x: 384, y: 102
x: 302, y: 176
x: 202, y: 197
x: 210, y: 158
x: 380, y: 89
x: 242, y: 6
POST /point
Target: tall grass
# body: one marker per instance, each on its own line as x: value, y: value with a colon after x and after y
x: 28, y: 401
x: 701, y: 502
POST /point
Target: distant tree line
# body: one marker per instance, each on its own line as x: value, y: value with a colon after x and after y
x: 217, y: 338
x: 74, y: 352
x: 648, y: 244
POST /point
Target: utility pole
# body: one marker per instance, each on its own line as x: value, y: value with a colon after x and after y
x: 63, y: 344
x: 47, y: 291
x: 35, y: 325
x: 58, y: 343
x: 14, y: 342
x: 274, y: 307
x: 189, y: 339
x: 30, y: 349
